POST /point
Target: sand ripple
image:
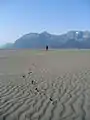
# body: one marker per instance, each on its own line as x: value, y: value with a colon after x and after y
x: 33, y: 97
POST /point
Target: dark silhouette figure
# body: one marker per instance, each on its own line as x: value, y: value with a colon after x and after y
x: 46, y: 47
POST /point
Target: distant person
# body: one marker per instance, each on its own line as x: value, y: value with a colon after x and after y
x: 46, y: 47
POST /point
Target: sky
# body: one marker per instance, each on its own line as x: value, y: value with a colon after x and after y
x: 19, y: 17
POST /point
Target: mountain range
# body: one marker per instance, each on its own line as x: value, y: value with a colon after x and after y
x: 71, y: 39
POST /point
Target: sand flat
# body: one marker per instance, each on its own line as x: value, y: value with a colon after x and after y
x: 40, y: 85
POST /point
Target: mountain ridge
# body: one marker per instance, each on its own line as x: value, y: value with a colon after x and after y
x: 71, y: 39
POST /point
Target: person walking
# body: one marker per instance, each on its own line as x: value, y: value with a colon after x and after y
x: 46, y: 47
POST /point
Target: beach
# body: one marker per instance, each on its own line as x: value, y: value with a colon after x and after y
x: 44, y: 85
